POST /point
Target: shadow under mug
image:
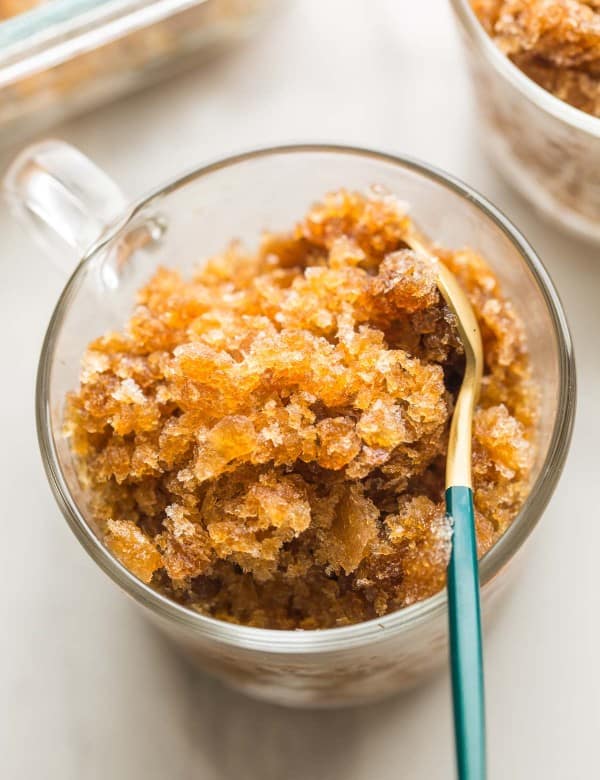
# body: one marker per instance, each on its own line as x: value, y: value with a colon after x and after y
x: 116, y: 247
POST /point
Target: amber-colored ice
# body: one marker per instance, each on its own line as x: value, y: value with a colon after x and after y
x: 555, y: 42
x: 9, y: 8
x: 265, y: 442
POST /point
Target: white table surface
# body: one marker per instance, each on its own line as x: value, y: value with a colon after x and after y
x: 87, y: 689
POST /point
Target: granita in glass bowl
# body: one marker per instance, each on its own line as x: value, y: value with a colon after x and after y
x: 243, y: 404
x: 535, y: 70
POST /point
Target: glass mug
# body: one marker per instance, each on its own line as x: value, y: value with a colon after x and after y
x: 58, y: 190
x: 547, y: 149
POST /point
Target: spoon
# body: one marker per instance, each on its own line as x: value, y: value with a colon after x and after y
x: 464, y: 614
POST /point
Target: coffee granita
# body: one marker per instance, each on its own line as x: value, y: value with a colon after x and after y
x: 265, y: 441
x: 554, y: 42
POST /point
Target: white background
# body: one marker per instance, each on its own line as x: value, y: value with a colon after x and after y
x: 87, y: 689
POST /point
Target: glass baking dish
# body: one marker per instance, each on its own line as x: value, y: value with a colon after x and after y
x: 66, y: 56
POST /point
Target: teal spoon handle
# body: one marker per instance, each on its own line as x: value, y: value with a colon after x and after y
x: 466, y: 657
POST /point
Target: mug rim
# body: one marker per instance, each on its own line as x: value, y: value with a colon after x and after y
x: 329, y: 639
x: 545, y: 100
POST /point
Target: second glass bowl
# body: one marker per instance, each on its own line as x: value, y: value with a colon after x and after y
x: 547, y: 149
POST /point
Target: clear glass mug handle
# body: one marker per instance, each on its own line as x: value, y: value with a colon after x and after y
x: 63, y: 197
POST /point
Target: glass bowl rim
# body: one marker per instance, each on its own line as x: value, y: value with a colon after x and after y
x: 330, y: 639
x: 545, y: 100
